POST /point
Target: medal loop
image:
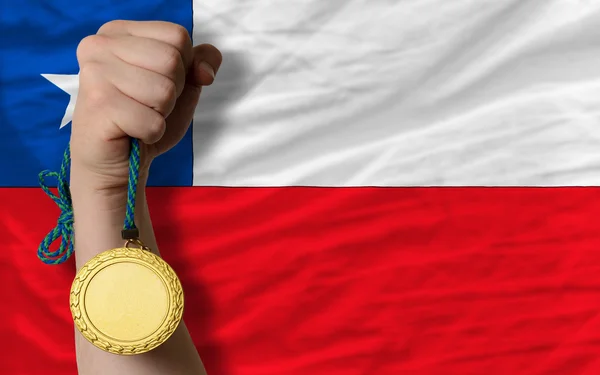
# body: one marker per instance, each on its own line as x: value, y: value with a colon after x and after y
x: 137, y: 242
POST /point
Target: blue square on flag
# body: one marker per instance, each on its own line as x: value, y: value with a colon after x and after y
x: 38, y: 82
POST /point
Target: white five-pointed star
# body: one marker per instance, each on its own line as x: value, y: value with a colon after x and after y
x: 69, y: 83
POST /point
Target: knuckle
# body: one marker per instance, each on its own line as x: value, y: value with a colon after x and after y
x: 90, y: 45
x: 172, y: 60
x: 89, y: 75
x: 96, y: 98
x: 112, y: 25
x: 155, y: 128
x: 167, y: 94
x: 89, y: 71
x: 107, y: 132
x: 180, y: 35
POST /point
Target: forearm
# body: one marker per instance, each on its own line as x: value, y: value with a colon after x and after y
x: 98, y: 222
x: 99, y: 218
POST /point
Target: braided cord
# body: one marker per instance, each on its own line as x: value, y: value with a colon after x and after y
x: 134, y: 174
x: 64, y: 226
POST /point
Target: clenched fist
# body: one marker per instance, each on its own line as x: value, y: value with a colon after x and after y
x: 136, y: 79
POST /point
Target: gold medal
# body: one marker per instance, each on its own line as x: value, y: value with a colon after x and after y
x: 126, y: 300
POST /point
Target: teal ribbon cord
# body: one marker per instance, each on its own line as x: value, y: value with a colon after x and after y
x: 64, y: 226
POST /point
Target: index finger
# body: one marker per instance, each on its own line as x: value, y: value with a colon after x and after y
x: 167, y: 32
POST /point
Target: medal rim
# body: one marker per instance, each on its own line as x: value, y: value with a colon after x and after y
x: 121, y: 255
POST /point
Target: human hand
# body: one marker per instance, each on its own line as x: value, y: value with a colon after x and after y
x: 137, y: 79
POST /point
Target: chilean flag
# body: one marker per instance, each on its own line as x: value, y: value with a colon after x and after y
x: 369, y: 187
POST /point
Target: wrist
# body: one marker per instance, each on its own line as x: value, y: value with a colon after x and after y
x: 99, y: 214
x: 106, y: 192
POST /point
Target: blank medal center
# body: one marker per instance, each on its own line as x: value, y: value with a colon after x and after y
x: 126, y: 301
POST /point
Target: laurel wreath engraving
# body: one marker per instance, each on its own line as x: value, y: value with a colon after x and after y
x: 174, y: 315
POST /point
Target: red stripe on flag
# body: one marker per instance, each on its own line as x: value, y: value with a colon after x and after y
x: 343, y: 280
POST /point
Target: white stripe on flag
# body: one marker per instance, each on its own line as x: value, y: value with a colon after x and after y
x: 340, y: 93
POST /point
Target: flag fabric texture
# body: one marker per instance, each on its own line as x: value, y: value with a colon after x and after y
x: 369, y: 187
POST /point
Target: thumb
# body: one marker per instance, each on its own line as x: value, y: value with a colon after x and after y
x: 206, y: 62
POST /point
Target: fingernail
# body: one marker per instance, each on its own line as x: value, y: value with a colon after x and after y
x: 207, y: 68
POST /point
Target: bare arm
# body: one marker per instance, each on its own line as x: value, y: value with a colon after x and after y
x: 99, y: 220
x: 136, y: 80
